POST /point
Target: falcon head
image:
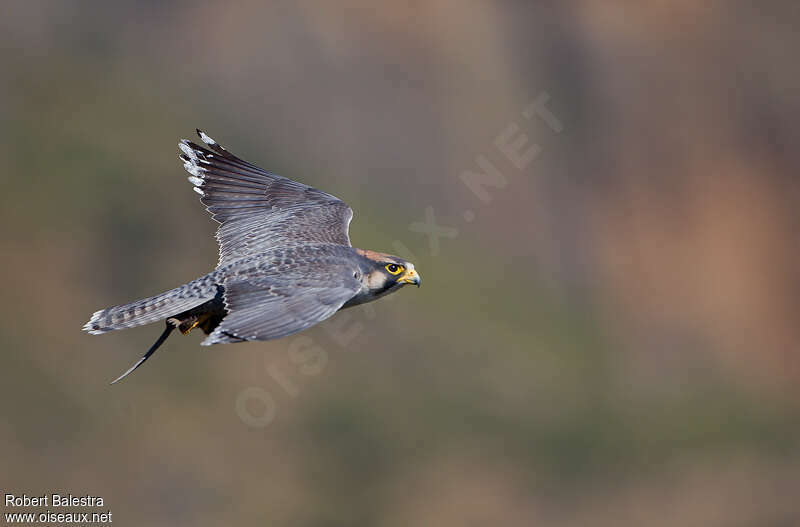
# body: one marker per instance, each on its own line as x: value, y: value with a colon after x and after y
x: 391, y: 273
x: 381, y: 274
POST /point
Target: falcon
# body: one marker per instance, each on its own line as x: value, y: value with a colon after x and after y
x: 285, y: 259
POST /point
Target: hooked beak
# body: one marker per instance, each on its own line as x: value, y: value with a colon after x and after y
x: 411, y: 277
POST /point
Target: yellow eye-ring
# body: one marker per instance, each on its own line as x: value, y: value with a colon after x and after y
x: 394, y: 268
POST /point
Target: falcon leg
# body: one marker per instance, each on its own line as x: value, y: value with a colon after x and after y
x: 194, y: 325
x: 146, y: 356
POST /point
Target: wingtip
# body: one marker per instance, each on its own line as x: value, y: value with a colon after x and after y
x: 157, y: 344
x: 183, y: 145
x: 192, y: 159
x: 205, y: 137
x: 128, y: 372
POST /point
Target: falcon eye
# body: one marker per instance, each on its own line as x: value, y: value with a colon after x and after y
x: 394, y: 268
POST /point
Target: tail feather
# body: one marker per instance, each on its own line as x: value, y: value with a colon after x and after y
x: 153, y: 309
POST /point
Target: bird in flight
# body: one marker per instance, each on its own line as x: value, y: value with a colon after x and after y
x: 285, y: 259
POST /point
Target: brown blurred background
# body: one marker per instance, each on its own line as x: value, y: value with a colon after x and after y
x: 612, y: 340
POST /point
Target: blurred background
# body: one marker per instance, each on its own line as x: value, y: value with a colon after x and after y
x: 609, y: 339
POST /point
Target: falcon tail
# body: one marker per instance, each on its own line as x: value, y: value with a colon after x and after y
x: 153, y: 309
x: 207, y: 316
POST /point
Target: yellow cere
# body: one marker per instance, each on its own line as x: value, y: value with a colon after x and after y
x: 395, y: 269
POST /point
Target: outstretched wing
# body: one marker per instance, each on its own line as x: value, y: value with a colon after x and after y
x: 258, y: 210
x: 271, y: 307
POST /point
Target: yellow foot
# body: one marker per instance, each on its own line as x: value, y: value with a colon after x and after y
x: 196, y: 323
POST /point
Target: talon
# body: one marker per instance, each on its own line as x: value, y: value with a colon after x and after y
x: 194, y: 325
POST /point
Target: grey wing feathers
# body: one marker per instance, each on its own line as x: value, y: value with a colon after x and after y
x: 272, y: 307
x: 259, y: 210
